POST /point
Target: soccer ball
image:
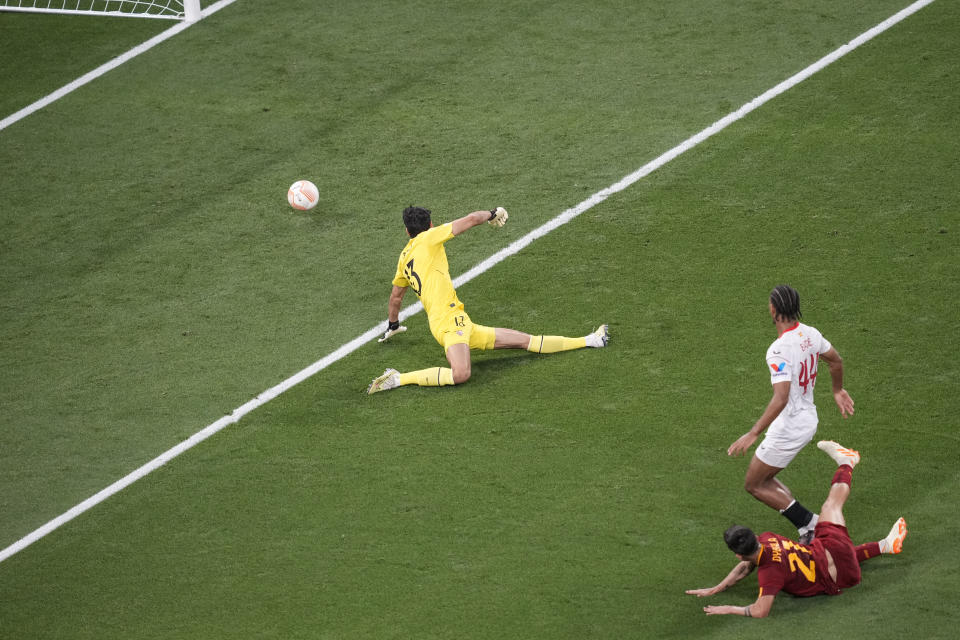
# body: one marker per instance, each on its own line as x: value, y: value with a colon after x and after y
x: 303, y: 195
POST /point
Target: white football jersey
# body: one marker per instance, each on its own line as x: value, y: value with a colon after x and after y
x: 794, y: 357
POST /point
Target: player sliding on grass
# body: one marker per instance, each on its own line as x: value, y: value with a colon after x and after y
x: 830, y: 563
x: 423, y: 268
x: 791, y: 414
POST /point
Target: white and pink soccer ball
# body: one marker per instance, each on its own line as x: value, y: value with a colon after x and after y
x: 303, y: 195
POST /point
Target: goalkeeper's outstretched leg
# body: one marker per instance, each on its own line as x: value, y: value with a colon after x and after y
x: 458, y: 356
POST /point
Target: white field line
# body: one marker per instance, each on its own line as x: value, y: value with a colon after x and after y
x: 493, y: 260
x: 107, y: 66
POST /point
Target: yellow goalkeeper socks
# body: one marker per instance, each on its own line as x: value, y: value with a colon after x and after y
x: 433, y: 377
x: 553, y: 344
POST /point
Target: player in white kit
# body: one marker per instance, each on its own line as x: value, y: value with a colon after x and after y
x: 791, y: 415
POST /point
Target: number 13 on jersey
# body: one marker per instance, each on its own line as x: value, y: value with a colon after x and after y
x: 413, y: 278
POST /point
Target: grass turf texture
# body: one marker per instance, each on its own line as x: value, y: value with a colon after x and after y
x: 164, y: 282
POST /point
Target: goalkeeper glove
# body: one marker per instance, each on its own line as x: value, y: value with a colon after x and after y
x: 392, y: 328
x: 498, y: 217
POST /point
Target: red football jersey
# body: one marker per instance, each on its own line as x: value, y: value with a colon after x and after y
x: 785, y: 565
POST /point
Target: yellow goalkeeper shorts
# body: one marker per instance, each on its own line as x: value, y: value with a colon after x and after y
x: 459, y: 329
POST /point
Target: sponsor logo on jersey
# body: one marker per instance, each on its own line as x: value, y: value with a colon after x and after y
x: 778, y: 368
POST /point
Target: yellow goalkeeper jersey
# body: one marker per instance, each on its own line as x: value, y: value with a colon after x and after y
x: 423, y: 267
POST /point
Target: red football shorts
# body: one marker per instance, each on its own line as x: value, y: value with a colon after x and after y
x: 836, y: 540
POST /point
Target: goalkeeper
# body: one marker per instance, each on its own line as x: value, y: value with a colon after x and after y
x: 423, y: 267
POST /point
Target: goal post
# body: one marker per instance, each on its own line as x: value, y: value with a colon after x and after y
x: 186, y: 10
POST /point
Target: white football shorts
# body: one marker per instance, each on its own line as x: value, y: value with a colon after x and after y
x: 785, y: 437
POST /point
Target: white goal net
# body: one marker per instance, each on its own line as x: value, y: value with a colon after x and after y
x: 188, y: 10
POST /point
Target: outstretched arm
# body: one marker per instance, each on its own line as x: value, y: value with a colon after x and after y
x: 840, y: 395
x: 781, y: 394
x: 759, y: 609
x: 393, y: 313
x: 496, y: 217
x: 393, y: 306
x: 738, y: 573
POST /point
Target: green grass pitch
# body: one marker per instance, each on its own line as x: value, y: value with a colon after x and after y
x: 154, y: 279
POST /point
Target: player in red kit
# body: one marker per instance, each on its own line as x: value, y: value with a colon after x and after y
x: 827, y: 565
